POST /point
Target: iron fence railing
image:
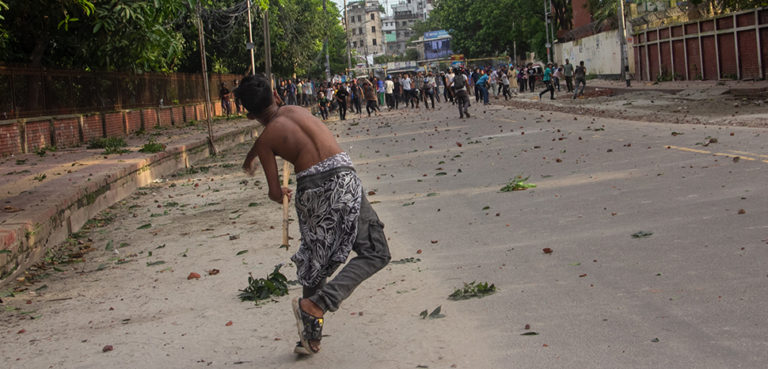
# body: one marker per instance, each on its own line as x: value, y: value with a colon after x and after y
x: 30, y: 92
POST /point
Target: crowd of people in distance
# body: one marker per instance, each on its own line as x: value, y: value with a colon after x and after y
x: 414, y: 90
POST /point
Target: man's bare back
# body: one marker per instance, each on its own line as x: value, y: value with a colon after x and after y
x: 295, y: 135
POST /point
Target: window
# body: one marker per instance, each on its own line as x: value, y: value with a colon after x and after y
x: 353, y: 20
x: 374, y: 42
x: 354, y: 44
x: 360, y: 30
x: 373, y: 16
x: 404, y: 23
x: 373, y: 29
x: 359, y: 18
x: 353, y: 31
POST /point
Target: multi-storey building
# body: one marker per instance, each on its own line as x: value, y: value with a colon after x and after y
x: 390, y: 34
x: 364, y: 28
x: 405, y: 14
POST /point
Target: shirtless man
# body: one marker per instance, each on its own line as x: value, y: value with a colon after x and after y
x: 334, y: 215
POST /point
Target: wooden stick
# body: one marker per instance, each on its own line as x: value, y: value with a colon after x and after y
x: 286, y: 176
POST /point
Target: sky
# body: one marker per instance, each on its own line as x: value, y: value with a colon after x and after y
x: 387, y: 4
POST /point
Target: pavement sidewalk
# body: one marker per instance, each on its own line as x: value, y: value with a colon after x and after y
x: 734, y: 87
x: 48, y: 196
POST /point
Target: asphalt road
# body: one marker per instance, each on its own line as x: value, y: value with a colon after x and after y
x: 691, y: 295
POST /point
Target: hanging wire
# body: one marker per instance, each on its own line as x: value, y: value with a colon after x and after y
x: 220, y: 24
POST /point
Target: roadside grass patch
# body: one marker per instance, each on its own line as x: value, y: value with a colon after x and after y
x: 152, y: 147
x: 111, y: 145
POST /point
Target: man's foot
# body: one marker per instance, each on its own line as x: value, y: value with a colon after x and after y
x: 467, y: 114
x: 309, y: 321
x: 299, y: 349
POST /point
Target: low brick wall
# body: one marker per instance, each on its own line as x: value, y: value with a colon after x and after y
x: 66, y: 132
x: 93, y: 127
x: 10, y: 138
x: 132, y: 122
x: 38, y: 134
x: 149, y: 117
x: 30, y: 134
x: 113, y: 124
x: 164, y: 118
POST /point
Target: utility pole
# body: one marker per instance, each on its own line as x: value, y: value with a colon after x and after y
x: 267, y: 50
x: 250, y: 39
x: 346, y: 35
x: 551, y: 32
x: 365, y: 38
x: 546, y: 28
x: 325, y: 46
x: 622, y: 39
x: 201, y: 36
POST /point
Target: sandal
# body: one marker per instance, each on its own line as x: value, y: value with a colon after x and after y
x: 299, y: 349
x: 310, y: 328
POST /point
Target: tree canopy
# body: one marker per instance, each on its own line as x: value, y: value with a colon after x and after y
x: 161, y: 35
x: 491, y: 28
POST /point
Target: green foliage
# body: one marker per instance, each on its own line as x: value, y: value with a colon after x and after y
x: 152, y: 147
x: 473, y: 289
x: 162, y: 36
x: 482, y: 30
x: 518, y: 184
x: 276, y: 284
x: 111, y: 145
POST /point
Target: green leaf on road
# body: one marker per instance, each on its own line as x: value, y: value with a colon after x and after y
x: 159, y: 262
x: 145, y: 226
x: 435, y: 314
x: 241, y: 252
x: 109, y: 246
x: 642, y: 234
x: 424, y: 314
x: 530, y: 334
x: 432, y: 194
x: 473, y: 289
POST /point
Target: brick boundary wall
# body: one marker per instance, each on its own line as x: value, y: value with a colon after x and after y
x: 164, y: 117
x: 93, y: 127
x: 729, y: 46
x: 133, y: 121
x: 37, y: 135
x: 66, y: 131
x: 149, y: 118
x: 10, y: 138
x: 30, y: 134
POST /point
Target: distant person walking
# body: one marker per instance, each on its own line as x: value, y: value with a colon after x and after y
x: 547, y: 79
x: 224, y: 96
x: 580, y: 76
x: 370, y: 97
x: 568, y: 73
x: 459, y: 86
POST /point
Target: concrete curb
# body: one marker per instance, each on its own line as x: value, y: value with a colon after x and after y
x: 26, y: 236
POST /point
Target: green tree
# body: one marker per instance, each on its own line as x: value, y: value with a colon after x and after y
x: 491, y: 28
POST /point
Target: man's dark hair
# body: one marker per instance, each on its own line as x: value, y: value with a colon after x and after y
x: 255, y: 93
